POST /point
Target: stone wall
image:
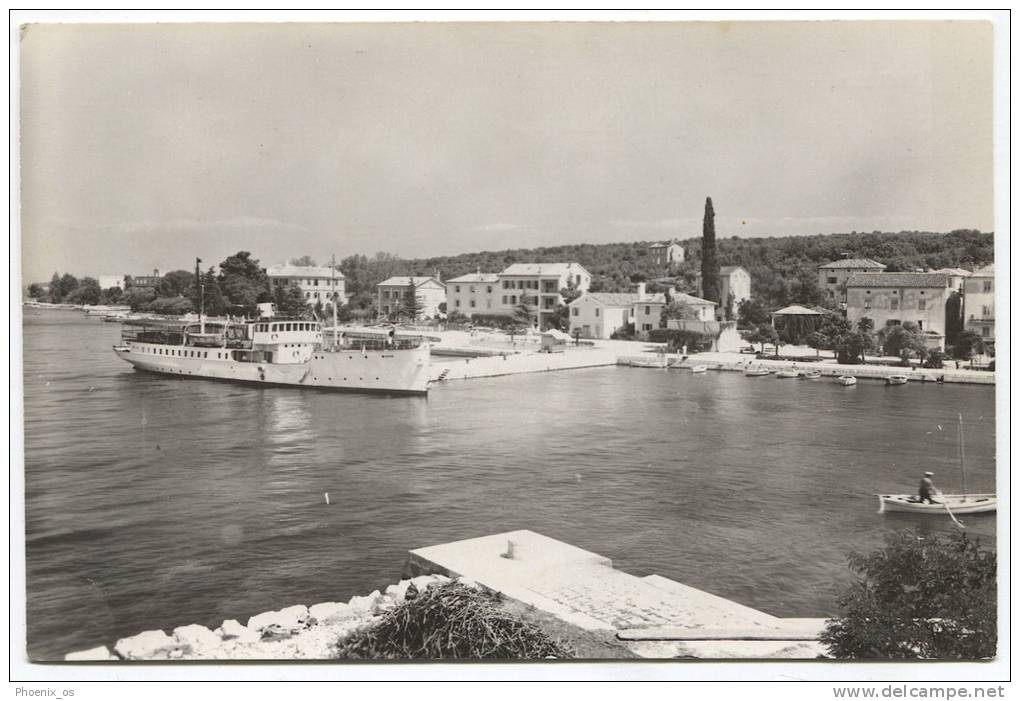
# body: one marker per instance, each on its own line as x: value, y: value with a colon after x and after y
x: 292, y: 633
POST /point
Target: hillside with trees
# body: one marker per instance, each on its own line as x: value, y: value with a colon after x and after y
x: 784, y: 269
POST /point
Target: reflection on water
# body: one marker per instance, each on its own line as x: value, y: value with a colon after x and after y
x: 155, y: 501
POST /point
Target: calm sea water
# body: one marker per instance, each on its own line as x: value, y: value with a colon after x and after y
x: 155, y: 502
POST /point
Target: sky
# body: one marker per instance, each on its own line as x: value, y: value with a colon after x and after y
x: 146, y: 146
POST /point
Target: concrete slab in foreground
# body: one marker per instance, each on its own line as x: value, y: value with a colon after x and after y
x: 654, y: 616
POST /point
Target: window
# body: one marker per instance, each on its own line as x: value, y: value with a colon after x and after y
x: 986, y: 312
x: 831, y: 280
x: 894, y: 304
x: 488, y: 288
x: 456, y: 288
x: 986, y: 286
x: 921, y: 303
x: 456, y: 303
x: 986, y: 331
x: 597, y: 311
x: 575, y: 311
x: 646, y: 327
x: 513, y: 299
x: 920, y: 325
x: 471, y: 289
x: 504, y: 299
x: 316, y: 282
x: 867, y: 299
x: 472, y: 304
x: 648, y: 310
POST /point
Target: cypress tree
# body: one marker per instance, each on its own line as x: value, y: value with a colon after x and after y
x: 709, y: 261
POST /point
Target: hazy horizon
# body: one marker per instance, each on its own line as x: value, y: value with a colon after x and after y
x: 144, y: 146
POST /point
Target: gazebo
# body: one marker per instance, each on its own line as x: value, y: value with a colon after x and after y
x: 798, y: 321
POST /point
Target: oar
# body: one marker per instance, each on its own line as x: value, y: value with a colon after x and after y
x: 951, y: 514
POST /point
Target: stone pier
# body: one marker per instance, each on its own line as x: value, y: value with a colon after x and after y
x: 653, y: 616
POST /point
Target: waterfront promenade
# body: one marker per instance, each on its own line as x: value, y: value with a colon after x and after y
x: 498, y: 356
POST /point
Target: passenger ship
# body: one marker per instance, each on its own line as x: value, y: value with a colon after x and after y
x: 278, y: 351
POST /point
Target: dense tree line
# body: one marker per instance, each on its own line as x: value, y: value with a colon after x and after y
x: 784, y: 270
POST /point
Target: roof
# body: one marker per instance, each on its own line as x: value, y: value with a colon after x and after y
x: 611, y: 299
x: 557, y: 334
x: 928, y: 280
x: 730, y: 269
x: 853, y: 263
x: 404, y: 281
x: 288, y: 270
x: 958, y: 272
x: 550, y: 269
x: 476, y: 277
x: 691, y: 299
x: 796, y: 310
x: 986, y: 271
x: 666, y: 244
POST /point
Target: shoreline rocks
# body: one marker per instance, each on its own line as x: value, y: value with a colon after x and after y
x: 293, y: 632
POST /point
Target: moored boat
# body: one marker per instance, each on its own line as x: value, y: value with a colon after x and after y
x: 847, y: 380
x: 896, y: 380
x: 277, y: 351
x: 957, y: 503
x: 757, y: 372
x: 698, y: 369
x: 811, y: 375
x: 789, y: 374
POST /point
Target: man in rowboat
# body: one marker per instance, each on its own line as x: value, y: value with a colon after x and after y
x: 926, y: 490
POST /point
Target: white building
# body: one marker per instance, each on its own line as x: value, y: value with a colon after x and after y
x: 475, y: 293
x: 318, y: 283
x: 647, y: 313
x: 735, y: 280
x: 431, y: 293
x: 108, y: 281
x: 832, y: 277
x: 894, y: 298
x: 666, y: 254
x: 538, y: 286
x: 979, y: 303
x: 600, y: 314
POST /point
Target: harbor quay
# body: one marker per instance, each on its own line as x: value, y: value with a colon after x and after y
x: 575, y: 595
x: 459, y: 355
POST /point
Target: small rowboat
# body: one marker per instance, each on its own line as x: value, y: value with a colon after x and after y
x: 847, y: 380
x: 757, y: 372
x: 699, y: 368
x: 811, y: 375
x: 958, y: 503
x: 896, y: 380
x: 788, y: 374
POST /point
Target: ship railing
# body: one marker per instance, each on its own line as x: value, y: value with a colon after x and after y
x: 373, y: 344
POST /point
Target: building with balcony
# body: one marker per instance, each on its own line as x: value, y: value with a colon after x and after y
x: 832, y: 277
x: 648, y: 311
x: 895, y: 298
x: 979, y: 303
x: 475, y: 293
x: 392, y: 292
x: 537, y: 286
x: 318, y: 283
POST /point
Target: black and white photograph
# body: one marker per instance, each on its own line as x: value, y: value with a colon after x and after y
x: 543, y: 341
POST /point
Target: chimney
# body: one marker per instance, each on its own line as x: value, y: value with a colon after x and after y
x: 641, y: 292
x: 439, y: 276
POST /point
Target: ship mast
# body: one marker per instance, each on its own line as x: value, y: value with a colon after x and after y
x: 332, y: 289
x: 963, y: 468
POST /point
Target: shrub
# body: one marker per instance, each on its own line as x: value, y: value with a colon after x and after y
x: 930, y: 597
x: 624, y: 333
x: 678, y: 338
x: 451, y: 621
x: 934, y: 360
x: 496, y: 321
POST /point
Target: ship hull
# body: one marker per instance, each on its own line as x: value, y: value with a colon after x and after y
x: 404, y: 371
